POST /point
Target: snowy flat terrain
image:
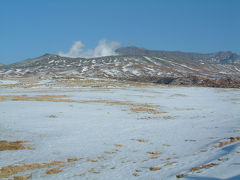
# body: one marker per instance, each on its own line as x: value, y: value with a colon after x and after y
x: 118, y: 132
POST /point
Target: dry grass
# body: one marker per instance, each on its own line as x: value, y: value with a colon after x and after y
x: 94, y: 171
x: 73, y: 159
x: 229, y: 141
x: 169, y: 117
x: 124, y: 103
x: 168, y: 163
x: 205, y: 166
x: 154, y: 153
x: 222, y: 159
x: 14, y: 145
x: 52, y: 116
x: 53, y: 171
x: 135, y: 107
x: 109, y: 152
x: 139, y: 140
x: 118, y: 145
x: 22, y: 177
x: 7, y: 171
x: 135, y: 174
x: 154, y: 168
x: 51, y: 98
x: 91, y: 160
x: 146, y: 110
x: 180, y: 175
x: 153, y: 157
x: 3, y: 98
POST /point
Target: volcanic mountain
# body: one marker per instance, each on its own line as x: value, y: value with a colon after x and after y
x: 220, y: 69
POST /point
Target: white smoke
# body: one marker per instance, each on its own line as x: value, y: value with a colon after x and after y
x: 104, y: 48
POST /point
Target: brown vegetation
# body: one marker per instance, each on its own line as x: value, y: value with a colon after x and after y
x: 73, y: 159
x: 14, y: 145
x: 7, y: 171
x: 146, y: 110
x: 53, y: 171
x: 205, y: 166
x: 229, y: 141
x: 52, y: 98
x: 124, y: 103
x: 180, y: 175
x: 22, y: 177
x: 154, y: 168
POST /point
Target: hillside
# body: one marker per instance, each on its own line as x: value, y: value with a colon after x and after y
x: 145, y: 68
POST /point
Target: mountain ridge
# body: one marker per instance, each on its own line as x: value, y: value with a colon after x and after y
x: 219, y: 57
x: 168, y: 68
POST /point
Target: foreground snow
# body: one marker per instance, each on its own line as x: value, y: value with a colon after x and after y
x: 115, y: 140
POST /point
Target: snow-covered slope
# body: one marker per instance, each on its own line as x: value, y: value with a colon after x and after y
x: 139, y: 68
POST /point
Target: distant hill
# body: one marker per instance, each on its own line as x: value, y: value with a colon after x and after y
x: 219, y: 57
x: 167, y: 68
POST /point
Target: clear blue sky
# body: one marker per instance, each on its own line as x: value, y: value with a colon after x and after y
x: 30, y: 28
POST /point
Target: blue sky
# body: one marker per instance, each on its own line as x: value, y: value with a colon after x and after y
x: 30, y: 28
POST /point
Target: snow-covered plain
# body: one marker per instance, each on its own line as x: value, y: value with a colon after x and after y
x: 123, y: 132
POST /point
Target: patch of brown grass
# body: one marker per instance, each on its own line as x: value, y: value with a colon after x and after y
x: 180, y: 175
x: 94, y: 171
x: 139, y: 140
x: 109, y: 152
x: 135, y: 174
x: 229, y: 141
x: 118, y: 145
x: 73, y: 159
x: 22, y: 177
x: 52, y: 98
x: 169, y: 117
x: 52, y: 116
x: 91, y: 160
x: 153, y: 157
x: 222, y: 159
x: 168, y: 163
x: 124, y: 103
x: 205, y: 166
x: 7, y: 171
x: 154, y: 168
x: 145, y: 110
x: 53, y: 171
x: 153, y: 152
x: 13, y: 145
x: 3, y: 98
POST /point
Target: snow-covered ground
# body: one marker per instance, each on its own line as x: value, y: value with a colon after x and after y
x: 8, y: 82
x: 135, y: 132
